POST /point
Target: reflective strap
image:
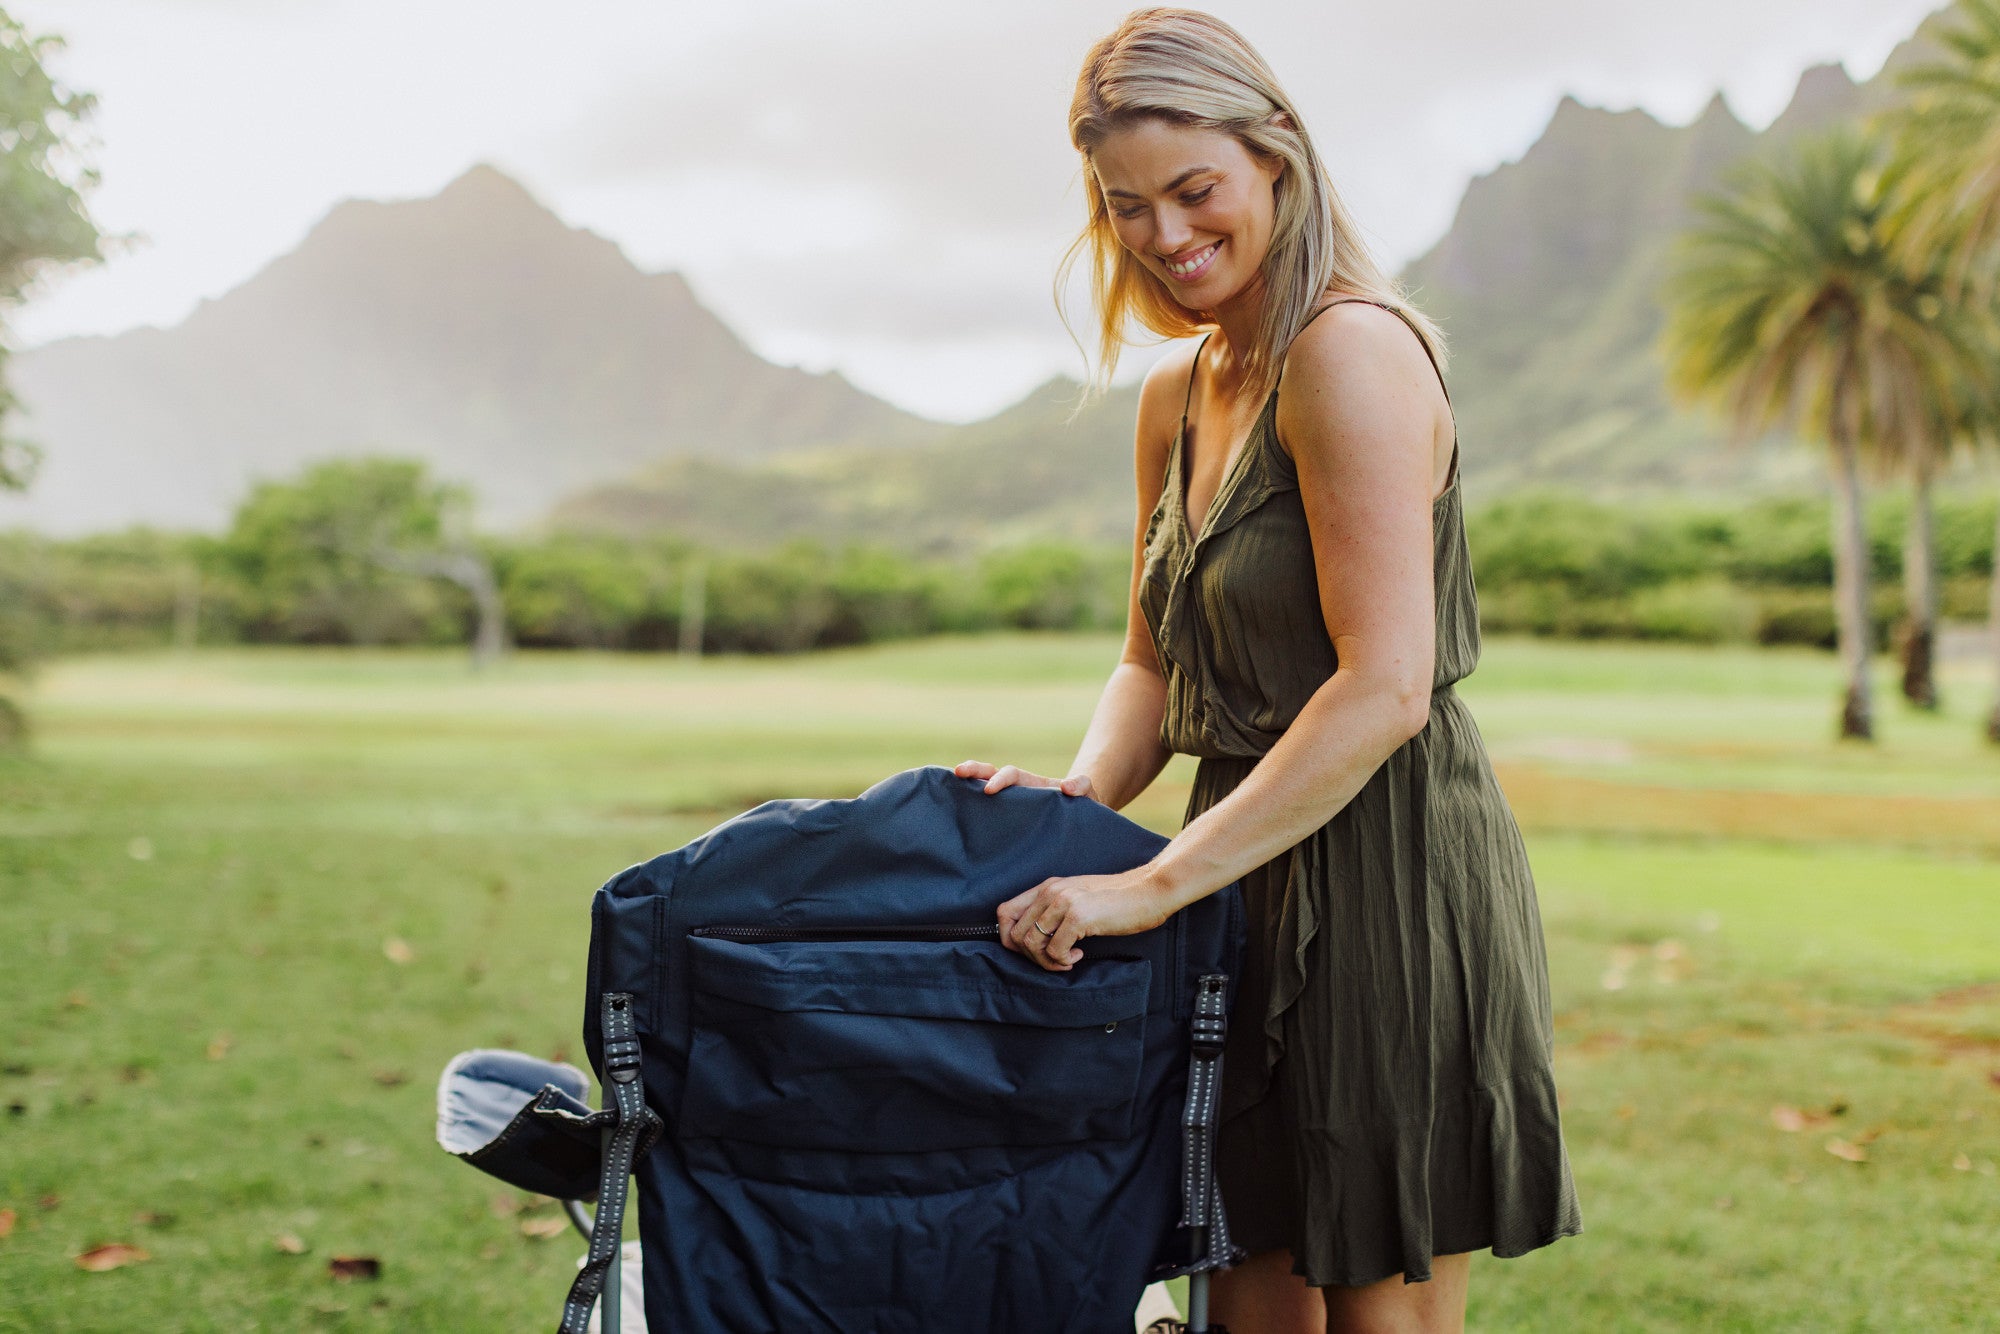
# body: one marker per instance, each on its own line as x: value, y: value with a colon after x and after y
x: 634, y: 1124
x: 1201, y: 1195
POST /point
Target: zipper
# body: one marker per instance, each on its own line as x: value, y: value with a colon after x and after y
x: 989, y: 931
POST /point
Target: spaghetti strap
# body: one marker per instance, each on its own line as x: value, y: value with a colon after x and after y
x: 1192, y: 367
x: 1451, y: 474
x: 1393, y: 310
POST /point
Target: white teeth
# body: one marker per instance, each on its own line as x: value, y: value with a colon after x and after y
x: 1194, y: 263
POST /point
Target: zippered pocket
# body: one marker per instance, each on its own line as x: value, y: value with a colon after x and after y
x: 914, y: 1040
x: 926, y: 931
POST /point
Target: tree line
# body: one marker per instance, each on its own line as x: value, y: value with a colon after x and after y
x: 375, y: 551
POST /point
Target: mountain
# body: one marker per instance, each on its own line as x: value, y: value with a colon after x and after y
x: 1019, y: 475
x: 473, y: 329
x: 477, y: 331
x: 1548, y: 285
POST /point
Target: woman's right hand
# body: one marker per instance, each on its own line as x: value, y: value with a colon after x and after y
x: 1076, y: 785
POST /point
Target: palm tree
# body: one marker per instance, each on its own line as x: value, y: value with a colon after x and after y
x: 1950, y: 134
x: 1789, y: 309
x: 1966, y: 415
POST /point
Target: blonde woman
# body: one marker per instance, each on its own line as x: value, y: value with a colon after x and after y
x: 1301, y: 606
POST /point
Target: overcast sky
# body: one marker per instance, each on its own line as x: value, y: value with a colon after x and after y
x: 878, y: 186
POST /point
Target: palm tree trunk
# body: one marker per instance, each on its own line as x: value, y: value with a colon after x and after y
x: 1993, y: 629
x: 1850, y: 584
x: 1919, y: 629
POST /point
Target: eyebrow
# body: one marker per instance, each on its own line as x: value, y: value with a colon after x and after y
x: 1174, y: 184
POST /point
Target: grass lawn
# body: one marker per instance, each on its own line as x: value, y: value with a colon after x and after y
x: 251, y: 901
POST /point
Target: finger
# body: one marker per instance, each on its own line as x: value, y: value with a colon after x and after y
x: 1002, y: 776
x: 1015, y: 906
x: 1024, y: 933
x: 1027, y: 932
x: 1046, y: 953
x: 1007, y: 914
x: 1044, y: 927
x: 1077, y: 785
x: 972, y: 768
x: 1062, y: 946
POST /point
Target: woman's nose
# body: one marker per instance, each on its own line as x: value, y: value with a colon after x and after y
x: 1172, y: 233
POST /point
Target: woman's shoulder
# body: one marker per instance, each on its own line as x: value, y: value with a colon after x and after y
x: 1355, y: 357
x: 1346, y: 326
x: 1161, y: 395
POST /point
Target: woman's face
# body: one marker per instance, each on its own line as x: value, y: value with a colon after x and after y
x: 1193, y: 205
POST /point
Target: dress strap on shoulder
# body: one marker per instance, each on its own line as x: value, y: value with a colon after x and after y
x: 1400, y: 314
x: 1188, y: 398
x: 1451, y: 473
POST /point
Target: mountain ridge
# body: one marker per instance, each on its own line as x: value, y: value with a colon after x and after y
x: 473, y: 329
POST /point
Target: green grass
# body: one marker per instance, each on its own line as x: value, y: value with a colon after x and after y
x: 204, y: 1046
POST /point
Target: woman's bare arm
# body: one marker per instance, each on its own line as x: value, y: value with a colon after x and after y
x: 1360, y: 413
x: 1121, y: 752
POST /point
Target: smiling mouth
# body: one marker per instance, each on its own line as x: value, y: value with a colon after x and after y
x: 1195, y: 265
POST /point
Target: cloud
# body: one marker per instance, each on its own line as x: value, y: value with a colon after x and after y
x: 878, y: 185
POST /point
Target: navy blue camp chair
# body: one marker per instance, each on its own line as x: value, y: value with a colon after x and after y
x: 851, y: 1110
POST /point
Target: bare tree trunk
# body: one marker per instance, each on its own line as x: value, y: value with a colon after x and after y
x: 1850, y: 585
x: 1918, y: 633
x: 1993, y: 629
x: 694, y: 600
x: 489, y: 640
x: 187, y: 607
x: 470, y: 571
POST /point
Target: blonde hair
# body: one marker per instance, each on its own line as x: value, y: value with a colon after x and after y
x: 1192, y: 69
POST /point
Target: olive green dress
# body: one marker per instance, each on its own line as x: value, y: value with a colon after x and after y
x: 1387, y: 1090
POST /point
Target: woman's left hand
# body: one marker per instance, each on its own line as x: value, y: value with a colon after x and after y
x: 1046, y: 922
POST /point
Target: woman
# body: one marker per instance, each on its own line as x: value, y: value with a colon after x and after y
x: 1301, y: 605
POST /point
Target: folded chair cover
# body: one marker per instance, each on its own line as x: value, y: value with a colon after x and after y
x: 521, y: 1120
x: 877, y: 1118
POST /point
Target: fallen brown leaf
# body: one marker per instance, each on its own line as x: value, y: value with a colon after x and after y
x: 77, y: 1000
x: 111, y: 1255
x: 7, y: 1216
x: 289, y: 1244
x: 1841, y: 1148
x: 50, y: 1201
x: 543, y: 1227
x: 153, y: 1218
x: 388, y: 1079
x: 1793, y: 1119
x: 347, y: 1268
x: 397, y: 950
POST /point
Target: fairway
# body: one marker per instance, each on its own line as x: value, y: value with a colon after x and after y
x: 252, y: 900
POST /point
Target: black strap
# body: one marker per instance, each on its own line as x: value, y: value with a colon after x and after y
x: 1193, y: 366
x: 1201, y: 1195
x: 633, y: 1125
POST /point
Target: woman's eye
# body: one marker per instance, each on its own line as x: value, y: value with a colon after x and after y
x: 1189, y: 200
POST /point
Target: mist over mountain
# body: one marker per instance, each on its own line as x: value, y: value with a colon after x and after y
x: 1548, y: 285
x: 474, y: 330
x: 533, y: 361
x: 1549, y: 289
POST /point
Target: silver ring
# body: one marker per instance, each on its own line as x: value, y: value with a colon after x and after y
x: 1038, y: 926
